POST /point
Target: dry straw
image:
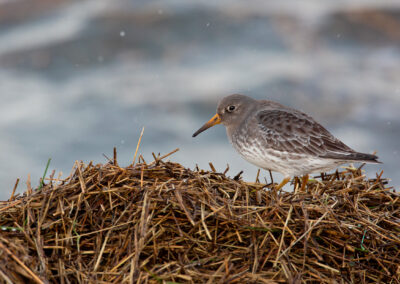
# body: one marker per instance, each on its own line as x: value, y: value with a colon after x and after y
x: 160, y: 222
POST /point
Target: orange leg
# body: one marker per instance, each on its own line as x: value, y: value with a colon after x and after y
x: 304, y: 181
x: 283, y: 182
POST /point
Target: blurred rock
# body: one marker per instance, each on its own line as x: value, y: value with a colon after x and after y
x: 20, y: 11
x: 363, y: 27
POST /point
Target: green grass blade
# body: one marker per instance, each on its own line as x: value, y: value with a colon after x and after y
x: 44, y: 174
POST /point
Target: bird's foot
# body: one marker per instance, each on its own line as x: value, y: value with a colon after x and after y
x: 283, y: 182
x: 304, y: 181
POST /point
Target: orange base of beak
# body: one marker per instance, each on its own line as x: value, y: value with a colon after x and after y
x: 216, y: 119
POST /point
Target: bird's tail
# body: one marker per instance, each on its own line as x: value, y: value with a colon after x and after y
x: 364, y: 157
x: 354, y: 157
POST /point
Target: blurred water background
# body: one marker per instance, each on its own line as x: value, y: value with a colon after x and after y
x: 80, y: 77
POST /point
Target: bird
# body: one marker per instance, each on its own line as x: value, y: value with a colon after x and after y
x: 281, y: 139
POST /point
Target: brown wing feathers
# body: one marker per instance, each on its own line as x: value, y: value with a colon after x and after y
x: 287, y: 130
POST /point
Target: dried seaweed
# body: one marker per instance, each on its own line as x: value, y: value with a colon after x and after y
x: 160, y: 222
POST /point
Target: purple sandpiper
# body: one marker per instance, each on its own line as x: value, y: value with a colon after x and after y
x: 282, y: 139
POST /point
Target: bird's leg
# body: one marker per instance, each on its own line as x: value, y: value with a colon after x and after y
x: 296, y: 183
x: 304, y: 181
x: 283, y: 182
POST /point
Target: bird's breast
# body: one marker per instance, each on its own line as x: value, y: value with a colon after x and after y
x: 250, y: 149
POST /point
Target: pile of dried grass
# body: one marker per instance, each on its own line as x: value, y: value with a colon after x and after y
x: 161, y: 222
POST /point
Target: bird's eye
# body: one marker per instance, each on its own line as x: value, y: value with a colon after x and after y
x: 230, y: 108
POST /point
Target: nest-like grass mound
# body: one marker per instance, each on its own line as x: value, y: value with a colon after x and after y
x: 160, y: 222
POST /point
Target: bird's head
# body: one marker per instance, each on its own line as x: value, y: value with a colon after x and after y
x: 230, y: 111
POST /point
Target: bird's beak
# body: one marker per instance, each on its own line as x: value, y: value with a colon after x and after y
x: 216, y: 119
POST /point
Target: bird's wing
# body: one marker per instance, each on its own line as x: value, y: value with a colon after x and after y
x: 288, y: 130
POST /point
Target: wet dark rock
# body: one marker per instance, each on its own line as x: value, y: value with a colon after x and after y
x: 363, y: 27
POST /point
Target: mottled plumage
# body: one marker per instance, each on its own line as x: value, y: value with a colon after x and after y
x: 278, y: 138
